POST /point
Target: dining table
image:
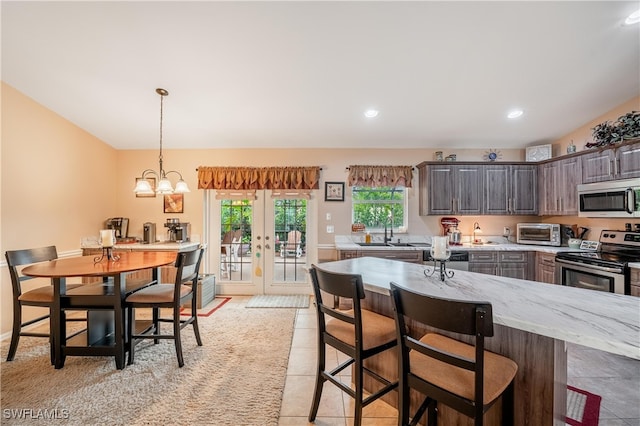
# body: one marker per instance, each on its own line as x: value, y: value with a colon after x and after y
x: 105, y: 334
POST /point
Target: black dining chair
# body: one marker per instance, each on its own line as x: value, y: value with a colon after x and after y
x: 465, y: 377
x: 171, y: 296
x: 40, y: 297
x: 357, y: 333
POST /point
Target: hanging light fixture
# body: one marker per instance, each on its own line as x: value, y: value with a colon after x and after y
x: 164, y: 184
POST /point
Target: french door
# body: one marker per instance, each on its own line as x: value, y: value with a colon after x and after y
x: 260, y: 244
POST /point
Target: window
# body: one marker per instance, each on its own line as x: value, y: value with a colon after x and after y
x: 376, y: 207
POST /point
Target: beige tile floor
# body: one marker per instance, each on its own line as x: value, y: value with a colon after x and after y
x: 615, y: 378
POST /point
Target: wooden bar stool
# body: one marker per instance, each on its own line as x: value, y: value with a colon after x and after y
x: 358, y: 333
x: 464, y: 377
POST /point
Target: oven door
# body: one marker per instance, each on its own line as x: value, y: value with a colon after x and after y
x: 592, y: 277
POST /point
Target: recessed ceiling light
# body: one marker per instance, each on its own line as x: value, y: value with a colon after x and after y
x: 634, y: 18
x: 371, y: 113
x: 515, y: 113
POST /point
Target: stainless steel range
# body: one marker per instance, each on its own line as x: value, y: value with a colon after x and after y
x: 606, y: 269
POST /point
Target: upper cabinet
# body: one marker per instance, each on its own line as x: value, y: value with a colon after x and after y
x: 557, y: 191
x: 508, y: 189
x: 621, y: 162
x: 475, y: 189
x: 447, y: 188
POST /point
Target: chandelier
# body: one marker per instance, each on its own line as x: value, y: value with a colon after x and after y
x: 164, y: 184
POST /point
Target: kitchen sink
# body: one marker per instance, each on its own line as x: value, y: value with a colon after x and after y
x: 401, y: 245
x: 373, y: 244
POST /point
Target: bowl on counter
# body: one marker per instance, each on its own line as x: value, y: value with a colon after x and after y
x: 574, y: 243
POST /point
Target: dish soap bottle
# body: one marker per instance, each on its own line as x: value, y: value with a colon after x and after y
x: 367, y: 238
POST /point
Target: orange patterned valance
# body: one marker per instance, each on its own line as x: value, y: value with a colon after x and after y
x: 237, y: 178
x: 376, y: 176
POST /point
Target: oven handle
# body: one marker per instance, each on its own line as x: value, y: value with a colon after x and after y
x: 585, y: 267
x: 631, y: 200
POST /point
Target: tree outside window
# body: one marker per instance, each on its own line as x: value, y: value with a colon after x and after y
x: 377, y: 207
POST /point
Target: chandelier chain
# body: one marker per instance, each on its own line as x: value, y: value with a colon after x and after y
x: 162, y: 95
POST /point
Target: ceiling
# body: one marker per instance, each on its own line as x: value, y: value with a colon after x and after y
x: 301, y: 74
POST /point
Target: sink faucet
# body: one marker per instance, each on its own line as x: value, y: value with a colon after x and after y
x: 388, y: 239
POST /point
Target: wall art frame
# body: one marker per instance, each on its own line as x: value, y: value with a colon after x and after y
x: 334, y: 191
x: 174, y: 203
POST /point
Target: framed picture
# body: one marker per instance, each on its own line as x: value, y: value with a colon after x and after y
x: 152, y: 182
x: 334, y: 191
x: 174, y: 203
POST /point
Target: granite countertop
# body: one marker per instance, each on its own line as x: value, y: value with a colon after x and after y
x: 344, y: 242
x: 604, y: 321
x: 158, y: 246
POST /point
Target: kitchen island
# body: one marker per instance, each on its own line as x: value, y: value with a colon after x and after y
x: 532, y: 323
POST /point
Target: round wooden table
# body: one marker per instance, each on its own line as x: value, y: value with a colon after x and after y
x: 104, y: 303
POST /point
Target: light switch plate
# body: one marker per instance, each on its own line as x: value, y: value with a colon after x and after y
x: 329, y: 229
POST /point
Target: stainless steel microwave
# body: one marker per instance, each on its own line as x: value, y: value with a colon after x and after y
x: 618, y: 198
x: 542, y: 234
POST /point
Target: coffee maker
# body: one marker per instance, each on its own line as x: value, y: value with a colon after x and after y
x: 120, y: 224
x: 178, y: 231
x: 148, y: 233
x: 450, y: 229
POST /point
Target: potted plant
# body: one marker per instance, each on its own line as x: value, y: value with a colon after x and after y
x: 626, y: 127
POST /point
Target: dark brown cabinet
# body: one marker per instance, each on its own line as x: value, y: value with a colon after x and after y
x: 635, y: 282
x: 450, y: 189
x: 510, y: 189
x: 622, y: 162
x: 512, y: 264
x: 546, y: 267
x: 411, y: 256
x: 557, y: 188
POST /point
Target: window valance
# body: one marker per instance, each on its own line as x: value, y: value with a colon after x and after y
x: 376, y: 176
x: 236, y: 178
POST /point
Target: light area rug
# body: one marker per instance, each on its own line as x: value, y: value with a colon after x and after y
x: 237, y: 377
x: 279, y: 301
x: 583, y: 408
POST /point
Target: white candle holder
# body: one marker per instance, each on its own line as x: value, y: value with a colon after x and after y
x: 107, y: 241
x: 440, y: 253
x: 440, y: 265
x: 108, y: 252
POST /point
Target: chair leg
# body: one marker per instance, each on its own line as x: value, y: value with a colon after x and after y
x: 156, y: 323
x: 176, y: 336
x: 317, y: 392
x: 403, y: 404
x: 507, y: 406
x: 15, y: 334
x: 194, y: 313
x: 358, y: 379
x: 52, y: 343
x: 130, y: 321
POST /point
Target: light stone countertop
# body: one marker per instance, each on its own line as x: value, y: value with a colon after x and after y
x: 605, y: 321
x: 159, y: 246
x: 345, y: 242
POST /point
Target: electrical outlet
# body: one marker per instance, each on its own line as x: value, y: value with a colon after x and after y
x: 506, y: 231
x: 329, y: 229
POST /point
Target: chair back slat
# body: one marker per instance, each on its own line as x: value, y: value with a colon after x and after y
x: 188, y: 267
x: 343, y: 285
x: 445, y: 314
x: 17, y: 258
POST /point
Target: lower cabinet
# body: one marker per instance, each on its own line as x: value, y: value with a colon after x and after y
x: 635, y: 282
x: 546, y: 267
x: 512, y: 264
x: 411, y: 256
